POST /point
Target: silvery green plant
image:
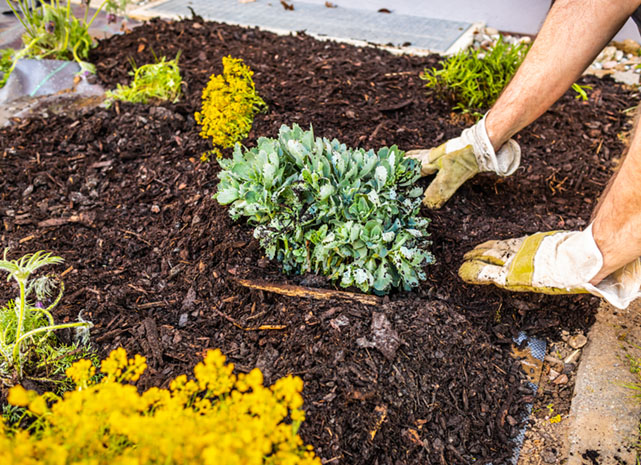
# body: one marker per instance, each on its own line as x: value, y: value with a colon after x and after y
x: 26, y: 322
x: 319, y: 206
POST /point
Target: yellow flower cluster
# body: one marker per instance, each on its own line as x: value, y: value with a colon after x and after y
x: 229, y: 104
x: 213, y: 419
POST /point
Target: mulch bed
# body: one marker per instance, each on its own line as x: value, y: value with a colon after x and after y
x: 424, y: 377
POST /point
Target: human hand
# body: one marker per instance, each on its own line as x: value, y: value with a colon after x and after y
x: 460, y: 159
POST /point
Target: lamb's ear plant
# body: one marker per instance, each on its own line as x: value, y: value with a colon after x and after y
x: 26, y: 322
x: 319, y: 206
x: 153, y: 82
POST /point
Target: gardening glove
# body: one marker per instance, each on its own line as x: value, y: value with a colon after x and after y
x: 461, y: 158
x: 555, y: 262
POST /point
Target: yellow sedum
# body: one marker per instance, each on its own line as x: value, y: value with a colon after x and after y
x: 215, y: 418
x: 229, y: 103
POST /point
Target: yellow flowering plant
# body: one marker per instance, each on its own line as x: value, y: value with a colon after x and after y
x: 215, y: 417
x: 229, y: 104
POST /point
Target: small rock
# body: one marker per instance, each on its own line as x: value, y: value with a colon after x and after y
x: 549, y: 455
x: 155, y: 209
x: 182, y: 320
x: 609, y: 64
x: 577, y: 341
x: 618, y: 56
x: 628, y: 46
x: 491, y: 31
x: 561, y: 379
x: 565, y: 335
x: 568, y: 368
x: 28, y: 190
x: 626, y: 77
x: 553, y: 374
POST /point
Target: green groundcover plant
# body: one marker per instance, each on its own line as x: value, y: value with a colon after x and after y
x: 53, y: 31
x: 153, y: 82
x: 26, y: 322
x: 473, y: 79
x: 319, y: 206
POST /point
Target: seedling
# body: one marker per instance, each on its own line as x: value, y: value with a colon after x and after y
x: 319, y: 206
x: 153, y: 82
x: 230, y: 102
x: 26, y: 321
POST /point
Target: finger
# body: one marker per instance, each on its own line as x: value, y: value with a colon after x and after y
x: 480, y: 272
x: 497, y: 252
x: 452, y: 174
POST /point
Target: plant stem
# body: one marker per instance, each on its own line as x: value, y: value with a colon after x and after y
x: 96, y: 13
x: 16, y: 348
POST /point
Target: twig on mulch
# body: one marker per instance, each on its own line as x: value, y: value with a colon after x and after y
x: 300, y: 291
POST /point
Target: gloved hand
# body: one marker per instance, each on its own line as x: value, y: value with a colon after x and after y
x: 555, y: 262
x: 461, y: 158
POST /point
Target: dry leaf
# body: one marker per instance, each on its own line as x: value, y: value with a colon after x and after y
x: 287, y: 6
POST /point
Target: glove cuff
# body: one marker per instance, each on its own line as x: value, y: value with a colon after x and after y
x: 571, y: 259
x: 503, y: 163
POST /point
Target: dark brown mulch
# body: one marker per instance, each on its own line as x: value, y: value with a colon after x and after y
x: 155, y: 259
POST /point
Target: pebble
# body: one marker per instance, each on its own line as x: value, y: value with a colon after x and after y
x: 577, y: 341
x: 561, y: 379
x: 155, y: 209
x: 553, y: 374
x: 549, y: 455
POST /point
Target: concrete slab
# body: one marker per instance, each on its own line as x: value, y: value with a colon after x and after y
x: 413, y: 33
x: 604, y: 418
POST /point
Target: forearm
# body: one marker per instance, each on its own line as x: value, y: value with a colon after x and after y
x: 617, y: 218
x: 573, y: 34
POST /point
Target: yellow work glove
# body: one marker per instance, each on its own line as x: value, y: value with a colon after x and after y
x: 461, y: 158
x: 554, y: 262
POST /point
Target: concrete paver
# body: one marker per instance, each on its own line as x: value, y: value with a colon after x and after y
x: 604, y: 418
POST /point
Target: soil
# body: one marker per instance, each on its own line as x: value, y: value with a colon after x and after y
x: 154, y: 262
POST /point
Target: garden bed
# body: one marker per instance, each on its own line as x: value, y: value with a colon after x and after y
x: 158, y: 266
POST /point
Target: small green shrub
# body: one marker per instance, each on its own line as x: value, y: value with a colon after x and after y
x: 229, y: 104
x: 317, y: 205
x: 153, y: 82
x: 26, y: 323
x: 472, y: 80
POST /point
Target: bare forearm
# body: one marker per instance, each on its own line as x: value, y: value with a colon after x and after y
x: 573, y: 34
